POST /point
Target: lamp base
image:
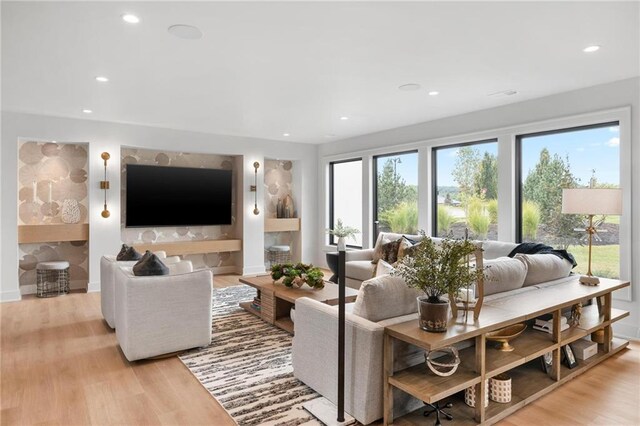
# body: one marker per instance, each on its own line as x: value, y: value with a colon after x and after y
x: 589, y: 280
x: 325, y: 411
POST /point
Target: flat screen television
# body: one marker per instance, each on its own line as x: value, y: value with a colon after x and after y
x: 177, y: 196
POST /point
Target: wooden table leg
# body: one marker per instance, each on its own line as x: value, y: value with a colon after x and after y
x: 388, y: 372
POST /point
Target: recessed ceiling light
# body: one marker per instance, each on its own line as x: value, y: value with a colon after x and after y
x: 591, y: 49
x: 508, y: 92
x: 130, y: 19
x: 434, y: 93
x: 343, y: 118
x: 409, y: 87
x: 87, y: 111
x: 102, y: 79
x: 286, y: 134
x: 187, y: 32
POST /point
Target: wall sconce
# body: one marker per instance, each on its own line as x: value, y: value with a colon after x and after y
x: 104, y: 184
x: 254, y: 188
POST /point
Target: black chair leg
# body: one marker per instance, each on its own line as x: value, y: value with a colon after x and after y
x: 435, y: 408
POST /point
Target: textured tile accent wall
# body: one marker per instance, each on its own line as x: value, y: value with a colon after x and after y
x: 59, y: 171
x: 278, y: 183
x: 185, y: 233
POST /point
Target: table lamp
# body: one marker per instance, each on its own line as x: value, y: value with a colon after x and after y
x: 591, y: 202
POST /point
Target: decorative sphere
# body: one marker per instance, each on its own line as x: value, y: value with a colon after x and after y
x: 105, y: 213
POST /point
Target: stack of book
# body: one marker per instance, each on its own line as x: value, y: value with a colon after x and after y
x: 256, y: 304
x: 545, y: 323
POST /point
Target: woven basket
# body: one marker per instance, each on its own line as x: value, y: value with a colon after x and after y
x: 500, y: 388
x: 470, y: 395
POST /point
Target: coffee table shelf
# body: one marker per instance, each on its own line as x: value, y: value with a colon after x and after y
x: 482, y: 360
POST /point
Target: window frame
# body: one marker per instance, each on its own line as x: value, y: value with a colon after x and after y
x: 331, y: 194
x: 374, y: 185
x: 518, y: 164
x: 434, y: 175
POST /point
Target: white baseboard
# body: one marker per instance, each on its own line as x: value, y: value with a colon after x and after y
x: 73, y: 285
x: 10, y: 296
x: 254, y: 270
x: 224, y: 270
x: 93, y: 287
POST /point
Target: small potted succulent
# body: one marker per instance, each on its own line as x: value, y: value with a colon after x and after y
x: 298, y: 274
x: 341, y: 231
x: 437, y: 270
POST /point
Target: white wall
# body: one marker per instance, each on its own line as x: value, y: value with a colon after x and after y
x: 103, y: 136
x: 620, y: 100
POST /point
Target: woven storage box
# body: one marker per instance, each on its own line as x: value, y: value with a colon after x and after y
x: 500, y: 388
x: 470, y: 395
x: 279, y: 254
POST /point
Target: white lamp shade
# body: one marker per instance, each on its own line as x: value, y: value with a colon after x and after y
x: 592, y: 201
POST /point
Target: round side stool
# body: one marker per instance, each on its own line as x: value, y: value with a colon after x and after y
x: 279, y: 254
x: 52, y: 278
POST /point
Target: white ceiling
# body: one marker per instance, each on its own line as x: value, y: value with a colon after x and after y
x: 263, y: 69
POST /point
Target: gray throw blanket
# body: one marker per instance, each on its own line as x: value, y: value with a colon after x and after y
x: 539, y: 248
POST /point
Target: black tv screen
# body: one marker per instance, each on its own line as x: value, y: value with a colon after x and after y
x: 177, y: 196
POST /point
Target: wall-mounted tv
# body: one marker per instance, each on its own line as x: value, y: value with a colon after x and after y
x: 177, y: 196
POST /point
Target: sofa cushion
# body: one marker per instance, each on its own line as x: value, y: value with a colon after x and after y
x: 390, y: 251
x: 377, y: 250
x: 385, y: 297
x: 406, y: 244
x: 503, y: 274
x: 496, y: 249
x: 361, y: 270
x: 543, y: 267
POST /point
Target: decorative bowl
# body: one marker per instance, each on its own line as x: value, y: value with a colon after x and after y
x: 504, y: 335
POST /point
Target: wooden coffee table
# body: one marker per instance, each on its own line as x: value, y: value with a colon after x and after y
x: 278, y: 299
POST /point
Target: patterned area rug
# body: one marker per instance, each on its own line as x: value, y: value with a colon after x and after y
x: 247, y: 367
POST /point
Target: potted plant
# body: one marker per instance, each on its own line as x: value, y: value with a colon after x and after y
x: 341, y: 231
x: 437, y: 270
x: 298, y: 274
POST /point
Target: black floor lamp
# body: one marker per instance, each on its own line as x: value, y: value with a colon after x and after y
x: 322, y: 408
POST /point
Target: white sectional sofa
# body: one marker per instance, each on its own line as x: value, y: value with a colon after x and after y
x: 315, y: 338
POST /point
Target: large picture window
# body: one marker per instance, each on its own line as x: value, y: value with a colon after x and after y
x: 579, y: 157
x: 396, y: 193
x: 346, y: 197
x: 465, y: 180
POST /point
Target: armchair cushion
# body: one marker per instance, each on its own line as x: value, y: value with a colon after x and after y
x: 544, y: 267
x: 503, y: 274
x: 359, y: 269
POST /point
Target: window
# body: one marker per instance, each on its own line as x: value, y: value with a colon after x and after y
x: 345, y: 183
x: 396, y: 193
x: 569, y: 158
x: 465, y: 179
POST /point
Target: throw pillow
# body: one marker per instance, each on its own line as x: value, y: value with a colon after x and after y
x: 377, y: 251
x: 151, y: 265
x: 385, y: 297
x: 405, y: 244
x: 128, y: 253
x: 503, y: 274
x: 383, y: 268
x: 543, y: 267
x: 390, y: 251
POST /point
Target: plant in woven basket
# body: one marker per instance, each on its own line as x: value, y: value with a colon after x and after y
x: 298, y: 274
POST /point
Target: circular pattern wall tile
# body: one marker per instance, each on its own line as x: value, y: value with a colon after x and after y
x: 50, y: 149
x: 28, y: 173
x: 129, y: 159
x: 271, y: 177
x: 50, y: 209
x: 45, y: 254
x: 54, y: 168
x: 25, y: 194
x: 212, y: 259
x: 149, y: 236
x: 28, y: 278
x: 285, y: 177
x: 224, y: 256
x: 75, y: 155
x: 227, y: 165
x: 198, y: 236
x: 29, y: 213
x: 28, y: 262
x: 73, y: 254
x: 182, y: 230
x: 68, y: 189
x: 76, y: 272
x: 273, y: 189
x: 287, y: 165
x: 83, y: 213
x: 162, y: 159
x: 30, y: 153
x: 78, y: 175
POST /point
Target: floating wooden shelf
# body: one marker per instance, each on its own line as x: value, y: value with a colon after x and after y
x: 281, y: 225
x: 192, y: 247
x: 53, y: 233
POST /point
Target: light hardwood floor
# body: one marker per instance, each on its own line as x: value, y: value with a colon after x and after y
x: 61, y: 364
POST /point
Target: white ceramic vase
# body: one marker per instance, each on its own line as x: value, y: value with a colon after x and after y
x: 342, y: 245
